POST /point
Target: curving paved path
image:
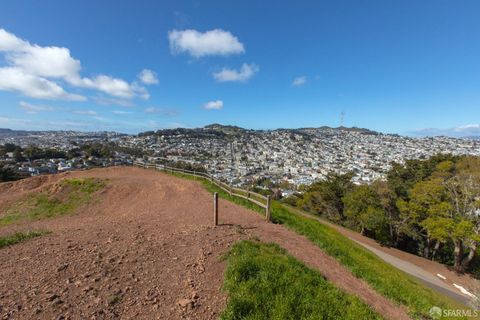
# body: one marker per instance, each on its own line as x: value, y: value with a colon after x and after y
x: 399, y: 260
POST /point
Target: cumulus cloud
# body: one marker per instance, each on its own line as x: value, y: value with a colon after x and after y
x: 32, y: 108
x: 15, y: 79
x: 213, y: 105
x: 115, y: 87
x: 209, y: 43
x: 299, y: 81
x: 148, y: 77
x: 33, y: 68
x: 231, y: 75
x: 10, y: 42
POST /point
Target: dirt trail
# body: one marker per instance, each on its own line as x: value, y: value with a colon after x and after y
x: 145, y: 250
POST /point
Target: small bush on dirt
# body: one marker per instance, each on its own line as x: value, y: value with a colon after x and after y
x: 64, y: 198
x: 263, y: 282
x: 19, y: 237
x: 115, y: 299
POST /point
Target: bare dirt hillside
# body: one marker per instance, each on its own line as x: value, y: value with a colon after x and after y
x: 144, y: 248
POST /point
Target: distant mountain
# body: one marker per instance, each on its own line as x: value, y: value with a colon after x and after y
x: 4, y: 132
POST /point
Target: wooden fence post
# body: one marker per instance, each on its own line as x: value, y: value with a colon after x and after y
x: 215, y: 208
x: 268, y: 213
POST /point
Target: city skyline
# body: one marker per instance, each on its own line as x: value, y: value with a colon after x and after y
x: 407, y: 68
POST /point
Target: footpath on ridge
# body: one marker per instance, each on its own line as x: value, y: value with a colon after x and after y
x: 145, y: 247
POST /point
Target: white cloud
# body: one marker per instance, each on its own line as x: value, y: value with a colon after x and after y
x: 113, y: 101
x: 6, y: 121
x: 9, y: 42
x: 213, y: 105
x: 49, y: 62
x: 231, y: 75
x: 85, y: 112
x: 209, y: 43
x: 121, y: 112
x: 113, y: 86
x: 163, y: 111
x: 148, y: 77
x: 299, y: 81
x: 33, y: 109
x: 14, y: 79
x: 469, y: 130
x: 46, y: 64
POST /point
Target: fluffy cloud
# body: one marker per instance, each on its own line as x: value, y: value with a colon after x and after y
x: 213, y: 105
x: 10, y: 42
x: 148, y: 77
x: 113, y: 86
x: 299, y: 81
x: 33, y: 68
x: 231, y: 75
x: 14, y: 79
x: 209, y: 43
x: 33, y: 109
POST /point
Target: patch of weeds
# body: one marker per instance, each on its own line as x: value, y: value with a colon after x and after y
x: 65, y: 197
x: 114, y: 300
x: 20, y: 237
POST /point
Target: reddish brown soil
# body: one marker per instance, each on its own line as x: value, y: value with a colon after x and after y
x: 144, y: 249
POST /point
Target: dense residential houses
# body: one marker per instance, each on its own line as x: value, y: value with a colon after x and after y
x: 298, y: 156
x: 239, y: 156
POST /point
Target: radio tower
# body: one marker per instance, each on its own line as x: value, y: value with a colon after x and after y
x: 342, y: 118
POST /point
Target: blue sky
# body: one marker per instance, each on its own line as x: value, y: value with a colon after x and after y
x: 393, y: 66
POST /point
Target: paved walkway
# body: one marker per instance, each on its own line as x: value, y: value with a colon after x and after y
x: 426, y: 277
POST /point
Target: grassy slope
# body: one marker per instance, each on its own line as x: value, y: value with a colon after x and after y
x: 19, y: 237
x: 43, y: 205
x: 263, y: 282
x: 384, y: 278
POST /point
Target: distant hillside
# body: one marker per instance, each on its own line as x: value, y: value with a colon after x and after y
x: 4, y: 132
x: 230, y: 130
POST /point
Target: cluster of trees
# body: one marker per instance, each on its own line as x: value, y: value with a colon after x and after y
x: 427, y: 207
x: 187, y: 166
x: 9, y: 174
x: 95, y: 149
x: 31, y: 152
x: 10, y: 147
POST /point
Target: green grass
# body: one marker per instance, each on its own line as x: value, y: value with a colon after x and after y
x: 71, y: 194
x: 19, y: 237
x: 387, y: 280
x: 384, y: 278
x: 263, y: 282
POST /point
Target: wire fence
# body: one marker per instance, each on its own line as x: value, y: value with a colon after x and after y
x: 253, y: 197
